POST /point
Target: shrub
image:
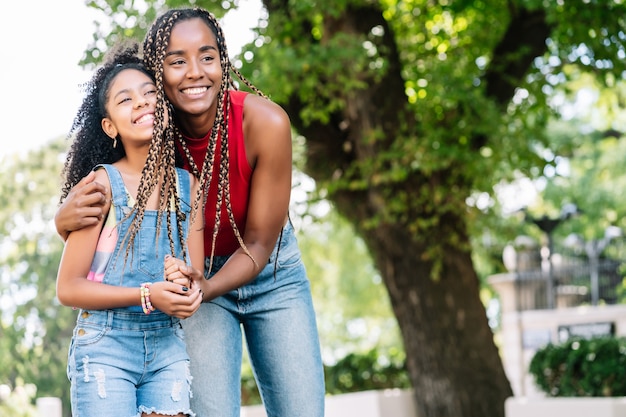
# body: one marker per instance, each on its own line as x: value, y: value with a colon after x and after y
x: 372, y: 370
x: 362, y: 371
x: 582, y: 368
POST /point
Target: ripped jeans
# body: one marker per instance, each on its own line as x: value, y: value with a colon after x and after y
x: 124, y: 363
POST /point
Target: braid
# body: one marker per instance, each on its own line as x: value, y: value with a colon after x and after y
x: 251, y: 86
x: 221, y: 120
x: 160, y: 167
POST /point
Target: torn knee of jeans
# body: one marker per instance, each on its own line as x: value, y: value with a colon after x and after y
x: 152, y: 410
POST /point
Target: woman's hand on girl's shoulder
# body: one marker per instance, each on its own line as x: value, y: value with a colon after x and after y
x: 85, y: 204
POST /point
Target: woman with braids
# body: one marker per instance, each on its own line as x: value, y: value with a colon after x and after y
x: 127, y: 356
x: 238, y: 145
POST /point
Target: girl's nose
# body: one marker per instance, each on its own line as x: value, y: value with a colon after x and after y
x: 142, y: 101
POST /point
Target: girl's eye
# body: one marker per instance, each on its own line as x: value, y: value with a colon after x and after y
x: 151, y: 92
x: 123, y: 100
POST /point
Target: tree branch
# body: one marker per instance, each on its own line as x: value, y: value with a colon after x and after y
x: 524, y: 40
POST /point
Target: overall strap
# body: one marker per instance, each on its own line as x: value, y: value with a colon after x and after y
x: 118, y: 189
x: 184, y: 190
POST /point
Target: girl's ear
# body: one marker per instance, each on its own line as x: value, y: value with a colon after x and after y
x: 109, y: 128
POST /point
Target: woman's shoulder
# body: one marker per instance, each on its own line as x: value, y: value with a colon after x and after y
x: 261, y: 110
x: 266, y: 128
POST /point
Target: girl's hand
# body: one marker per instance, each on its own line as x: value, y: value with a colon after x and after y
x: 175, y: 270
x: 175, y: 300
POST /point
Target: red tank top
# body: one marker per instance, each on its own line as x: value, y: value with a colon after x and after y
x: 239, y: 176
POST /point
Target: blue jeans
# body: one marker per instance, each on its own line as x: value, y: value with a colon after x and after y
x: 276, y: 314
x: 119, y: 362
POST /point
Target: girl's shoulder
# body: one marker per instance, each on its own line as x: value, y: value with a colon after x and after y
x: 102, y: 177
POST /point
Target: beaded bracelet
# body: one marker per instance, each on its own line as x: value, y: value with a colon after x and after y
x: 145, y: 298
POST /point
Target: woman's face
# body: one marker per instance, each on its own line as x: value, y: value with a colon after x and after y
x: 130, y: 105
x: 192, y: 73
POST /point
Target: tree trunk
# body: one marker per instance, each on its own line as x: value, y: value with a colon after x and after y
x: 452, y: 360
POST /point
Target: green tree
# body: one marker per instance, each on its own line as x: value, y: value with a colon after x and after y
x: 410, y: 108
x: 35, y: 330
x: 589, y: 169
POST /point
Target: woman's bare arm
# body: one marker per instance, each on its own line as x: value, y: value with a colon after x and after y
x: 84, y: 206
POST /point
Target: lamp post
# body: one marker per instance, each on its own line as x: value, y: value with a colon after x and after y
x: 594, y: 248
x: 547, y: 226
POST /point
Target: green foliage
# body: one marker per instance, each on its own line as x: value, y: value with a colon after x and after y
x: 582, y: 368
x: 586, y: 170
x: 34, y: 329
x: 18, y: 402
x: 372, y: 370
x: 132, y: 20
x: 249, y: 392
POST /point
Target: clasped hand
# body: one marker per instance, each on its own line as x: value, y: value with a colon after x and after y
x: 179, y: 294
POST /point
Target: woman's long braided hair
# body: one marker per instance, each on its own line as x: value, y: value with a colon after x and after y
x: 154, y: 49
x: 92, y: 146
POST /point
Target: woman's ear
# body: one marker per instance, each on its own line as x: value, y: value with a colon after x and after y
x: 109, y: 128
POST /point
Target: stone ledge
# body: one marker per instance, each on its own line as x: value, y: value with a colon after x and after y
x: 562, y: 406
x: 383, y: 403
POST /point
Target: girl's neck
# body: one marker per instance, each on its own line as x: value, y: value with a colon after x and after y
x: 135, y: 159
x: 133, y: 162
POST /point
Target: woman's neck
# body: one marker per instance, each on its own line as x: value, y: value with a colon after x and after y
x: 196, y: 126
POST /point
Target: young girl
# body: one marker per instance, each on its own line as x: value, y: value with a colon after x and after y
x: 127, y: 356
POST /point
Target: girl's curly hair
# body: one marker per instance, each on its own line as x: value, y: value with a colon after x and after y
x: 91, y: 145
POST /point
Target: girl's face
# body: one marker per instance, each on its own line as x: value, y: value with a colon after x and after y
x: 131, y: 101
x: 192, y: 73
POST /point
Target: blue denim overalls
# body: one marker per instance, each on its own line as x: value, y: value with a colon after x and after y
x: 123, y: 362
